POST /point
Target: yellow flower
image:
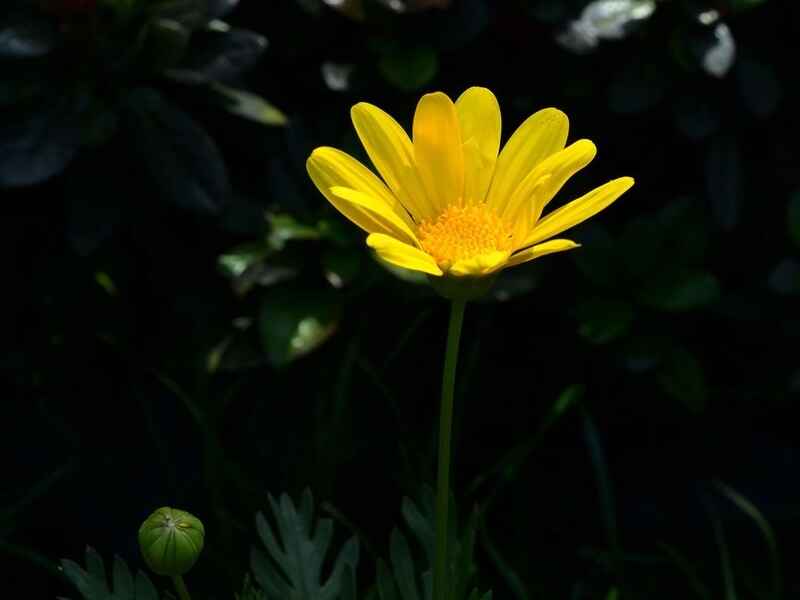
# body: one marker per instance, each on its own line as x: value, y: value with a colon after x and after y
x: 449, y: 202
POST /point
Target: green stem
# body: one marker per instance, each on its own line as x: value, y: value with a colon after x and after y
x: 180, y: 587
x: 440, y: 567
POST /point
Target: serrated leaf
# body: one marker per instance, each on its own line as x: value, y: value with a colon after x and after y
x: 93, y: 583
x: 183, y: 160
x: 296, y: 549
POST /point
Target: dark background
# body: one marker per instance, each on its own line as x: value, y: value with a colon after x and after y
x: 164, y: 253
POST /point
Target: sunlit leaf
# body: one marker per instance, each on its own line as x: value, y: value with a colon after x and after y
x: 294, y: 322
x: 604, y: 19
x: 249, y: 105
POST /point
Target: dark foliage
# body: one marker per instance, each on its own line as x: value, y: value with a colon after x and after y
x: 190, y: 324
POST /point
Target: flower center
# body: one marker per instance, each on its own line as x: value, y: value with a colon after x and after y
x: 461, y: 232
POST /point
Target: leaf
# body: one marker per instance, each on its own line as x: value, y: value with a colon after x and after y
x: 715, y: 48
x: 723, y: 183
x: 220, y: 8
x: 680, y: 290
x: 183, y: 160
x: 39, y: 143
x: 223, y: 53
x: 24, y: 36
x: 604, y: 19
x: 249, y: 106
x: 759, y: 86
x: 638, y: 88
x: 165, y: 44
x: 296, y: 548
x: 93, y: 583
x: 682, y: 377
x: 764, y: 527
x: 793, y: 217
x: 189, y: 13
x: 294, y: 322
x: 785, y: 277
x: 409, y: 69
x: 411, y: 579
x: 604, y: 320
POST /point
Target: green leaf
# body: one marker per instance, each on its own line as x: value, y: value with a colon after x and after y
x: 409, y: 69
x: 604, y: 320
x: 785, y: 277
x: 249, y: 106
x: 93, y: 583
x: 410, y: 578
x: 682, y: 377
x: 680, y: 290
x: 793, y: 217
x: 183, y: 160
x: 293, y: 322
x: 296, y: 548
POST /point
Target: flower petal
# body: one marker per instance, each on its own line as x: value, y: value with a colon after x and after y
x: 479, y: 119
x: 329, y: 167
x: 538, y: 250
x: 385, y: 218
x: 542, y: 134
x: 482, y: 264
x: 392, y: 153
x: 437, y: 150
x: 579, y: 210
x: 543, y: 183
x: 402, y: 255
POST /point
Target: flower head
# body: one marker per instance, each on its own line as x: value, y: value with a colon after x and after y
x: 449, y: 202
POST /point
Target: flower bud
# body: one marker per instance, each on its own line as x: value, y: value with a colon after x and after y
x: 171, y: 541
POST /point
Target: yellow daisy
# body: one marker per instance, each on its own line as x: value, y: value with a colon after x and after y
x: 449, y: 202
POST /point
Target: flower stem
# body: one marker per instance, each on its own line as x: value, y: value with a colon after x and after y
x: 440, y: 567
x: 180, y: 587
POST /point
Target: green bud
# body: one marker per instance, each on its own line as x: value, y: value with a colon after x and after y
x: 171, y: 541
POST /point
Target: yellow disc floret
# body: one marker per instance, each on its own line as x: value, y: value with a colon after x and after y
x: 461, y: 232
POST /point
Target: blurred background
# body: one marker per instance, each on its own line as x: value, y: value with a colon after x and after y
x: 190, y: 324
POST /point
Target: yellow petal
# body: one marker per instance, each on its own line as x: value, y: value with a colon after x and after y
x: 479, y: 119
x: 479, y: 265
x: 385, y: 218
x: 542, y: 134
x: 538, y: 250
x: 579, y: 210
x: 392, y: 153
x: 329, y: 168
x: 402, y: 255
x: 437, y: 150
x: 544, y: 182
